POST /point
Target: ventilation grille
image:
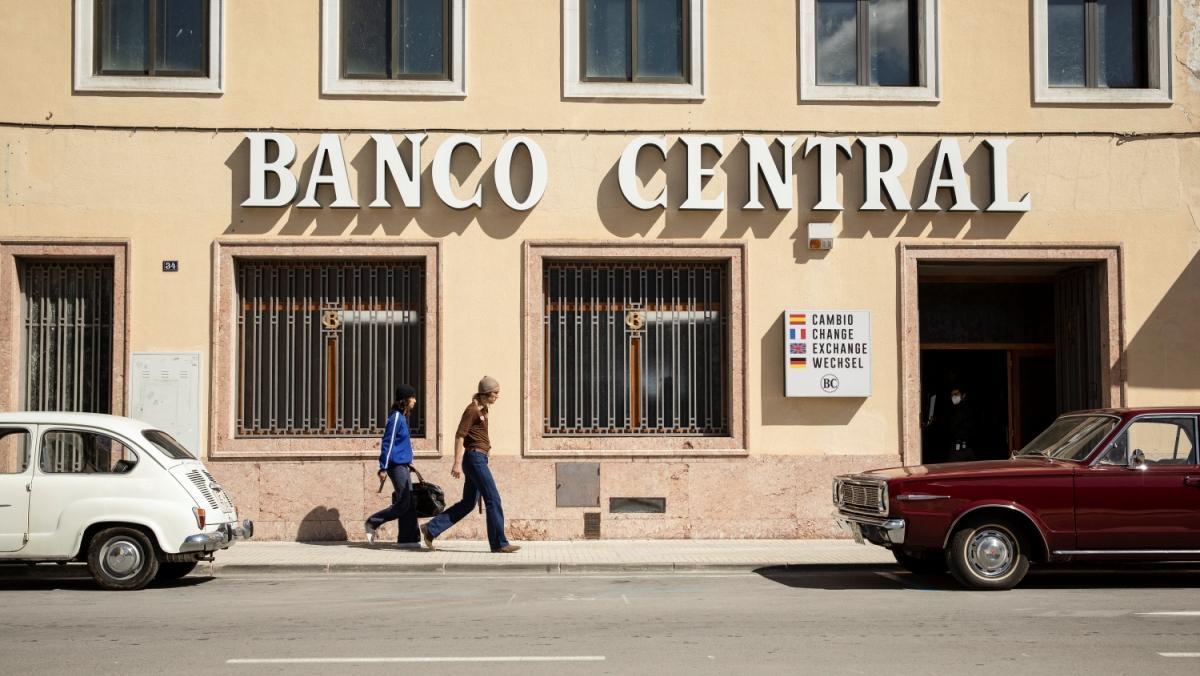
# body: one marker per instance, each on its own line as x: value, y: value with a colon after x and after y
x: 591, y: 526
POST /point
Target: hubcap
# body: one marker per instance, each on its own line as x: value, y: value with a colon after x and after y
x: 121, y: 558
x: 991, y: 552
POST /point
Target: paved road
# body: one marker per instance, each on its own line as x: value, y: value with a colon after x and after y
x: 823, y: 620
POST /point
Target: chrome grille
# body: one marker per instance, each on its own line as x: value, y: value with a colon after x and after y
x: 200, y: 480
x: 863, y: 497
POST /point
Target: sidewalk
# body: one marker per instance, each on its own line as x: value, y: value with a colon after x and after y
x: 585, y: 556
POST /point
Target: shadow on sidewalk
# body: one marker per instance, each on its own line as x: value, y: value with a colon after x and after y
x: 889, y: 577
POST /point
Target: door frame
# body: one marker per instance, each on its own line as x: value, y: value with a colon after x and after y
x: 1112, y: 314
x: 11, y: 252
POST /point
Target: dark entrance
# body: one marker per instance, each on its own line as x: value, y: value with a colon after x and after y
x: 1021, y: 341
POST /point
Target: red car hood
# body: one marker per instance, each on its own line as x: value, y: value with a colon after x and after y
x: 971, y: 470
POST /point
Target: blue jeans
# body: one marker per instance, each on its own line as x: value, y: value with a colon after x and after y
x: 401, y: 509
x: 477, y: 480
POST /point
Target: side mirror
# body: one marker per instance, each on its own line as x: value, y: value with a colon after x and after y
x: 1137, y: 459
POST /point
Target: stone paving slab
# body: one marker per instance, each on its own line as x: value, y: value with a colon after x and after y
x: 588, y: 556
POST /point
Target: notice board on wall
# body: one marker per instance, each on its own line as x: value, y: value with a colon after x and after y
x: 827, y: 353
x: 165, y: 392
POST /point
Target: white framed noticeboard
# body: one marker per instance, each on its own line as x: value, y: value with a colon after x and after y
x: 827, y: 353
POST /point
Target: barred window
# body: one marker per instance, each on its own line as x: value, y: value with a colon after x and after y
x: 636, y: 348
x: 321, y: 346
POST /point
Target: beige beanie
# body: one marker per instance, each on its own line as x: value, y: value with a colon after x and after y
x: 488, y: 385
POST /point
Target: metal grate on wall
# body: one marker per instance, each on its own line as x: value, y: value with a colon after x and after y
x: 323, y: 345
x: 67, y: 341
x: 636, y: 348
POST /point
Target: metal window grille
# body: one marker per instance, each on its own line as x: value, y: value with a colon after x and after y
x: 67, y: 326
x: 322, y: 345
x: 636, y: 348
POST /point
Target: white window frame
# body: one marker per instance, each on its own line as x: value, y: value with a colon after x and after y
x: 930, y: 75
x: 575, y: 87
x: 1158, y: 62
x: 85, y: 67
x: 333, y: 84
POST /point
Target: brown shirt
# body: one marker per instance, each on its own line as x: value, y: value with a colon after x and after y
x: 473, y: 428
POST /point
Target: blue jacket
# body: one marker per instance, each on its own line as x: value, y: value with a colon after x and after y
x: 396, y: 446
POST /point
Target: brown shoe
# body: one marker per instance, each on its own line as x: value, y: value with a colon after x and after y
x: 507, y: 549
x: 426, y: 538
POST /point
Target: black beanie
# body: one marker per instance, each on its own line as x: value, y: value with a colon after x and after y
x: 404, y: 392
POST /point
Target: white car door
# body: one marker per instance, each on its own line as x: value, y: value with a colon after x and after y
x: 16, y: 476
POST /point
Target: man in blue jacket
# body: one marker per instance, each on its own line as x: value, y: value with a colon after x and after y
x: 395, y: 455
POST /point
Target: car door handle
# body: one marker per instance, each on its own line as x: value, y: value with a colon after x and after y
x: 1193, y: 481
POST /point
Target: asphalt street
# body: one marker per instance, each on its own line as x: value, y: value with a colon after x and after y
x: 820, y: 620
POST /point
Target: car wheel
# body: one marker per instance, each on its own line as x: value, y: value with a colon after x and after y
x: 988, y: 555
x: 175, y: 570
x: 122, y: 559
x: 926, y: 563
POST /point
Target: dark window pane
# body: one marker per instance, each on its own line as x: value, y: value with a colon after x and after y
x: 180, y: 37
x: 837, y: 42
x: 1066, y: 37
x: 424, y: 36
x: 660, y: 38
x: 607, y: 25
x: 123, y: 36
x: 1123, y: 29
x: 365, y: 47
x: 891, y: 23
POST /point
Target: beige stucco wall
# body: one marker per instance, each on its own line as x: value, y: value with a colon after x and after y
x: 171, y: 193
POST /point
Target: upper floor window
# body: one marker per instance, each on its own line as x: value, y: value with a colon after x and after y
x: 869, y: 50
x: 633, y: 48
x: 148, y: 45
x: 1102, y: 51
x: 393, y: 47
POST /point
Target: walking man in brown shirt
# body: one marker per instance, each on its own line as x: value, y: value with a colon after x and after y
x: 471, y: 448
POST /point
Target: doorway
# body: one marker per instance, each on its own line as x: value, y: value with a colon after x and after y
x: 1019, y: 343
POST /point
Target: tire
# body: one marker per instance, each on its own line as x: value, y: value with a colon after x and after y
x: 988, y: 555
x: 926, y: 563
x: 122, y: 559
x: 175, y: 570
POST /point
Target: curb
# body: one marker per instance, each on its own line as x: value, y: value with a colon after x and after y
x: 682, y: 567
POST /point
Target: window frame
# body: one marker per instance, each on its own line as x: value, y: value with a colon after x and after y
x: 1158, y: 63
x: 223, y: 441
x: 538, y: 444
x: 1123, y: 433
x: 451, y: 84
x: 927, y: 61
x: 633, y: 77
x: 88, y: 77
x: 576, y: 84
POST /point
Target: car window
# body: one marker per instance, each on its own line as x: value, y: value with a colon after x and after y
x: 79, y: 452
x: 167, y: 444
x: 14, y: 450
x: 1163, y: 441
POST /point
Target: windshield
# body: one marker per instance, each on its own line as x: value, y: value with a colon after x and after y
x: 163, y: 442
x: 1071, y: 438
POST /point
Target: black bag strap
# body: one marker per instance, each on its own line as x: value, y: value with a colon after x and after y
x: 420, y: 479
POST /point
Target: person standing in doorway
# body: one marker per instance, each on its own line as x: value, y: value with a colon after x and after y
x: 471, y: 448
x: 395, y: 456
x: 961, y: 426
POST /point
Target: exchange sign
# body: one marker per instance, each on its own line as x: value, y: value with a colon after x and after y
x: 827, y: 353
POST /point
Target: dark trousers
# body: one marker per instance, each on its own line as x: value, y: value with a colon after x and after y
x: 477, y: 481
x: 401, y: 509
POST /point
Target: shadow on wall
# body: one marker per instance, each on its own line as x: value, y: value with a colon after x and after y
x: 1162, y: 353
x: 321, y: 524
x: 778, y: 409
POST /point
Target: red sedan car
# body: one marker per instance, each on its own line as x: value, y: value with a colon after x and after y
x: 1103, y: 485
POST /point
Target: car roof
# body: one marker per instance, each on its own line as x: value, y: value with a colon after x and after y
x: 1129, y: 412
x: 116, y: 423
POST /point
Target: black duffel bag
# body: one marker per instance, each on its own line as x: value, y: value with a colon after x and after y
x: 428, y: 499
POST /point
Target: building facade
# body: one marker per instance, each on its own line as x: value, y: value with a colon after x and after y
x: 715, y: 253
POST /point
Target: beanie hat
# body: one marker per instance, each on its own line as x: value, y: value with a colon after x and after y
x: 404, y: 392
x: 488, y: 385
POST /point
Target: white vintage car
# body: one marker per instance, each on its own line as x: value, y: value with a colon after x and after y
x: 114, y: 492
